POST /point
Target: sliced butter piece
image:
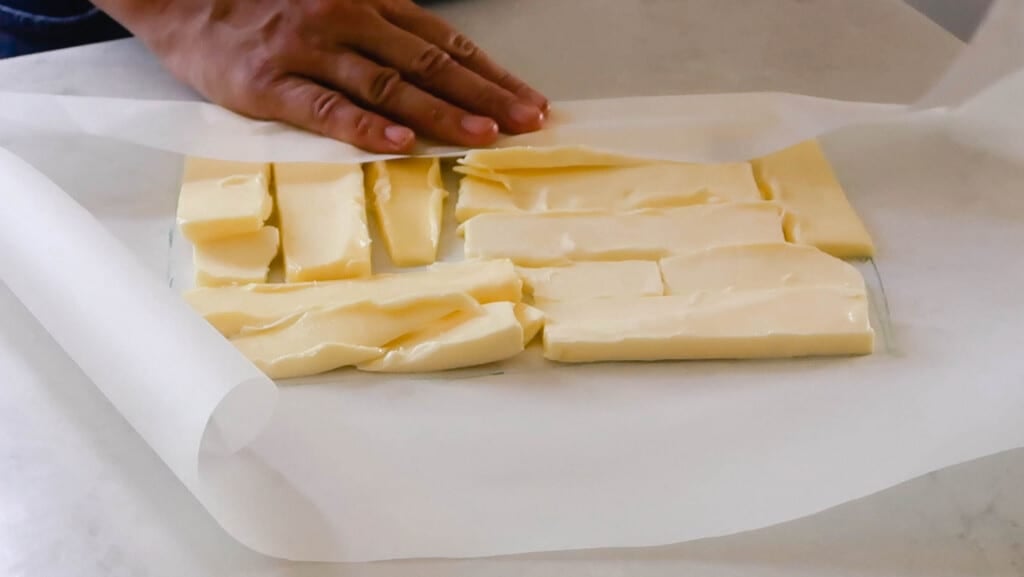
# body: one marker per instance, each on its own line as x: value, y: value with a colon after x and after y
x: 241, y: 259
x: 465, y: 339
x: 325, y: 339
x: 756, y: 267
x: 520, y: 157
x: 818, y: 213
x: 322, y: 210
x: 531, y: 319
x: 792, y: 322
x: 229, y: 309
x: 222, y: 198
x: 408, y: 198
x: 587, y: 280
x: 610, y: 189
x: 538, y: 240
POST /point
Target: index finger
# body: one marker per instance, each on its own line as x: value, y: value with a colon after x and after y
x: 436, y: 31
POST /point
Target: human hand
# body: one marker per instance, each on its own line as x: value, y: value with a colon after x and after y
x: 374, y: 73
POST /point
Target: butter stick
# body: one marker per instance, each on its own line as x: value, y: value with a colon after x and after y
x: 528, y: 157
x: 324, y: 339
x: 531, y: 319
x: 795, y: 322
x: 756, y: 267
x: 322, y: 210
x: 587, y: 280
x: 230, y: 309
x: 241, y: 259
x: 537, y: 240
x: 605, y: 189
x: 464, y: 339
x: 220, y: 198
x: 408, y: 197
x: 818, y: 213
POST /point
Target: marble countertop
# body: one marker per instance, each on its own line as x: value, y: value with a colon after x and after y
x: 82, y: 495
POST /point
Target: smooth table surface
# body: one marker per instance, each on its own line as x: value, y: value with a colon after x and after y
x: 82, y: 495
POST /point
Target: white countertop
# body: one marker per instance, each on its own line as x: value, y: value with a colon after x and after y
x: 82, y: 495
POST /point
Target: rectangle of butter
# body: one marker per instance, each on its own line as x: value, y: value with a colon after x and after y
x: 222, y: 198
x: 756, y: 267
x: 324, y: 339
x: 240, y: 259
x: 408, y: 198
x: 464, y: 339
x: 818, y: 213
x: 322, y: 210
x: 229, y: 309
x: 524, y: 157
x: 584, y: 280
x: 793, y: 322
x: 557, y: 239
x: 606, y: 189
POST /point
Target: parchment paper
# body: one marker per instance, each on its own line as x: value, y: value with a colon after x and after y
x: 532, y: 457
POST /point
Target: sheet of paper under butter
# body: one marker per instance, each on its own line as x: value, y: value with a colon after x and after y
x: 408, y: 197
x: 322, y: 210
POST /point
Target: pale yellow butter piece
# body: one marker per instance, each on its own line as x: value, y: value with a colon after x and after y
x: 241, y: 259
x: 587, y: 280
x: 465, y: 339
x: 792, y: 322
x: 520, y: 157
x: 408, y: 198
x: 531, y: 319
x: 818, y: 213
x: 222, y: 198
x: 229, y: 309
x: 756, y: 267
x: 322, y: 210
x: 538, y: 240
x: 606, y: 189
x: 325, y: 339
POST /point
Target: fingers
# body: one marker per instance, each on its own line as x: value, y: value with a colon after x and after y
x: 436, y: 31
x: 310, y: 106
x: 383, y: 89
x: 430, y: 67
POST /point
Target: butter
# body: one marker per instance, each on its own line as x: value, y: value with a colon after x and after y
x: 586, y: 280
x: 221, y: 198
x: 229, y: 309
x: 531, y: 319
x: 408, y: 197
x: 756, y: 267
x: 465, y: 339
x: 791, y: 322
x: 538, y: 240
x: 520, y: 157
x: 241, y: 259
x: 818, y: 213
x: 322, y: 212
x: 324, y: 339
x: 606, y: 189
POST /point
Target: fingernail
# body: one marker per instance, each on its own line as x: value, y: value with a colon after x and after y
x: 525, y: 114
x: 399, y: 135
x: 479, y: 125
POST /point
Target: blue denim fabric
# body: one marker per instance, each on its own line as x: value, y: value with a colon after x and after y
x: 28, y: 26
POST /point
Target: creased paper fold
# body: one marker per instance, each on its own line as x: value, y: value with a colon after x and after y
x: 362, y: 467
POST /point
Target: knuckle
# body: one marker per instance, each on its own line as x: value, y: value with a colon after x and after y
x: 460, y: 45
x: 430, y: 62
x: 362, y: 124
x: 383, y: 87
x: 324, y: 108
